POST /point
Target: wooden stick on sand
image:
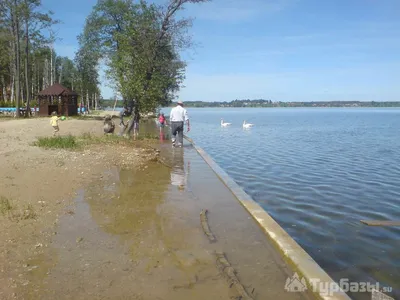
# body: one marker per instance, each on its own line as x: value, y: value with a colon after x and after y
x: 204, y: 224
x: 229, y: 272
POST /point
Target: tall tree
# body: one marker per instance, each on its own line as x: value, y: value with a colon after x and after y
x: 35, y: 22
x: 87, y: 61
x: 141, y: 44
x: 25, y: 22
x: 5, y: 61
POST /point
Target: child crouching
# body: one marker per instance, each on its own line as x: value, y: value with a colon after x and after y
x: 109, y: 125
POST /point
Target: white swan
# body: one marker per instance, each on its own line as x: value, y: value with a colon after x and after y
x: 224, y: 124
x: 247, y: 125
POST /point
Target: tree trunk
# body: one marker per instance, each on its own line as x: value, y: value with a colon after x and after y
x: 15, y: 21
x: 51, y: 65
x: 87, y: 100
x: 81, y: 96
x: 60, y: 77
x: 28, y: 99
x: 12, y: 89
x: 4, y: 90
x: 12, y: 67
x: 95, y: 101
x: 45, y: 74
x: 22, y: 94
x: 38, y: 78
x: 33, y: 78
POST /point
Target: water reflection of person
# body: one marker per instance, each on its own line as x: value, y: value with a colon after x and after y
x: 179, y: 174
x: 162, y: 136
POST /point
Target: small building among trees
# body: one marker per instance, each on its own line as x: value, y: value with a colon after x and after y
x: 59, y: 99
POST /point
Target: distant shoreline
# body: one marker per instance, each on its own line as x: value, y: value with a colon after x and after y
x: 270, y: 104
x: 189, y: 106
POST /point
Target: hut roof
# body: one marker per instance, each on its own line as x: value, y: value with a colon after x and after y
x: 57, y: 90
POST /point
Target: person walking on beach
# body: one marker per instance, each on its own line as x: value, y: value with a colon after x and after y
x: 178, y: 117
x: 54, y: 122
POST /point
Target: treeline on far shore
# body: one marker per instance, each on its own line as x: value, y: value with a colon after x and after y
x: 269, y: 103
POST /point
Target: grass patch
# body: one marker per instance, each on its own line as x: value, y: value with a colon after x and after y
x: 57, y: 142
x: 5, y: 205
x: 78, y: 142
x: 16, y: 215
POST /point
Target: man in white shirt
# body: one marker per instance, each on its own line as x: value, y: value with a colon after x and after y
x: 177, y: 118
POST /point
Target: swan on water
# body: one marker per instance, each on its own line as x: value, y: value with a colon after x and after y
x: 247, y: 125
x: 224, y: 124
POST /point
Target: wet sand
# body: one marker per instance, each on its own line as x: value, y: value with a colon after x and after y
x: 135, y: 233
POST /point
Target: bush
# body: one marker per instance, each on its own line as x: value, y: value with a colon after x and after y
x: 7, y: 104
x: 33, y: 103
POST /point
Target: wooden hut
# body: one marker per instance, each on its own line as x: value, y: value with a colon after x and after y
x: 59, y: 99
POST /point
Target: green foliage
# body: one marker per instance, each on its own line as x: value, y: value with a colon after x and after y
x: 6, y: 104
x: 76, y: 143
x: 57, y: 142
x: 66, y: 72
x: 24, y: 49
x: 34, y: 103
x: 141, y: 44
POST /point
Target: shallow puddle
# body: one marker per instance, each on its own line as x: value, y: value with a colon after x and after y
x: 129, y: 237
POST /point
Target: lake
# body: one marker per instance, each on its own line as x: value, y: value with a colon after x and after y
x: 318, y: 172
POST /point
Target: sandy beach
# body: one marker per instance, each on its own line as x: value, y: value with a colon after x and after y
x: 38, y: 185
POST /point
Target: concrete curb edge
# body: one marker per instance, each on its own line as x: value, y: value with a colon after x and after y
x: 301, y: 260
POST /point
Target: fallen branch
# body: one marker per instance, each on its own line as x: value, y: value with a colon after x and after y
x: 206, y: 228
x: 229, y: 272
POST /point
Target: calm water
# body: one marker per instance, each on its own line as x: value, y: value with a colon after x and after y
x: 318, y: 172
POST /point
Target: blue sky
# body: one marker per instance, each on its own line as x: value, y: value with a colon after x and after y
x: 283, y: 50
